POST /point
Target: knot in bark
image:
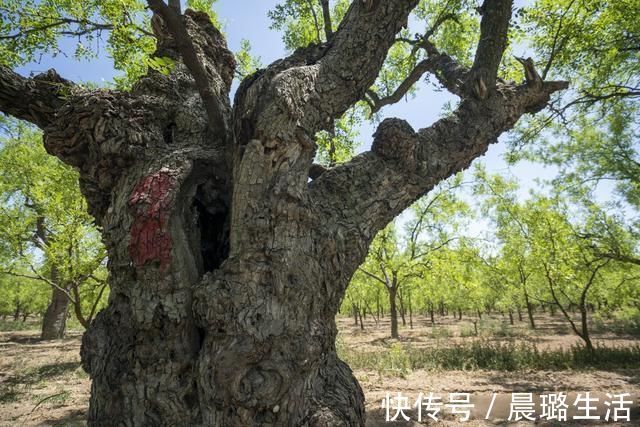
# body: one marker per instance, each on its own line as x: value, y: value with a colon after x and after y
x: 212, y: 306
x: 396, y: 140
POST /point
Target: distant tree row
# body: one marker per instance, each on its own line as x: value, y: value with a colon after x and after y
x: 554, y: 252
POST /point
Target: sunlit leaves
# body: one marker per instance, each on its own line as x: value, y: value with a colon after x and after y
x: 163, y: 64
x: 32, y: 30
x: 592, y: 132
x: 44, y: 221
x: 301, y: 21
x: 207, y: 7
x: 247, y: 63
x: 340, y: 145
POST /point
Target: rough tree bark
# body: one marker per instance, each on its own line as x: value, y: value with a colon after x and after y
x: 54, y: 321
x: 227, y: 265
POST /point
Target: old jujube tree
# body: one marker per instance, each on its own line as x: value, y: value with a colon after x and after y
x: 229, y: 251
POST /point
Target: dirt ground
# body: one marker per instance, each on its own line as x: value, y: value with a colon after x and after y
x: 42, y: 383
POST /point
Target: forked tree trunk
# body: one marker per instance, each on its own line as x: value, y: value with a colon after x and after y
x: 227, y: 265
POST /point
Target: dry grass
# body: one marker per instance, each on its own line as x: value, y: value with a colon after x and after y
x: 41, y: 383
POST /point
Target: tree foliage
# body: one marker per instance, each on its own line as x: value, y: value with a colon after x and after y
x: 47, y: 235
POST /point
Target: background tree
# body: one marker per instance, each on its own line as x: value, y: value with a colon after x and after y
x: 545, y: 241
x: 591, y: 131
x: 47, y: 235
x: 21, y: 298
x: 396, y: 260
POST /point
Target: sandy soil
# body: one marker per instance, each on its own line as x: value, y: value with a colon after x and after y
x: 42, y: 383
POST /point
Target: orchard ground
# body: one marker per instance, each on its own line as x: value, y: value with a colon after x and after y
x: 42, y: 383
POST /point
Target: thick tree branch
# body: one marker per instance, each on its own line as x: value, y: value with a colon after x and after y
x: 494, y: 27
x: 36, y: 99
x: 175, y: 5
x: 306, y: 91
x: 446, y: 69
x: 365, y: 194
x: 208, y: 80
x: 357, y: 51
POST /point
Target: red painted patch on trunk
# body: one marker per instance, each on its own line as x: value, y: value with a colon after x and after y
x: 150, y: 203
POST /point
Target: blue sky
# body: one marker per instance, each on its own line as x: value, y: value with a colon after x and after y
x: 247, y: 19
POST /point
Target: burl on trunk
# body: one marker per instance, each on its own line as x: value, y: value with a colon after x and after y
x: 227, y: 263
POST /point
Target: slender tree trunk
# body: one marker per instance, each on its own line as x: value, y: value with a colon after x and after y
x: 54, y: 322
x: 393, y: 312
x: 511, y: 316
x: 410, y: 311
x: 375, y: 315
x: 402, y: 309
x: 520, y: 314
x: 354, y: 310
x: 432, y: 314
x: 584, y: 322
x: 529, y: 310
x: 16, y: 313
x: 361, y: 322
x: 459, y: 314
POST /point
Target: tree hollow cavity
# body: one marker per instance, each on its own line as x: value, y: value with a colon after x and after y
x: 213, y: 227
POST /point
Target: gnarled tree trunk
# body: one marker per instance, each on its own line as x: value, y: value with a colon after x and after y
x: 227, y: 264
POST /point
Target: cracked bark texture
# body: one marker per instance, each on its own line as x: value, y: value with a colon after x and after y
x: 227, y: 265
